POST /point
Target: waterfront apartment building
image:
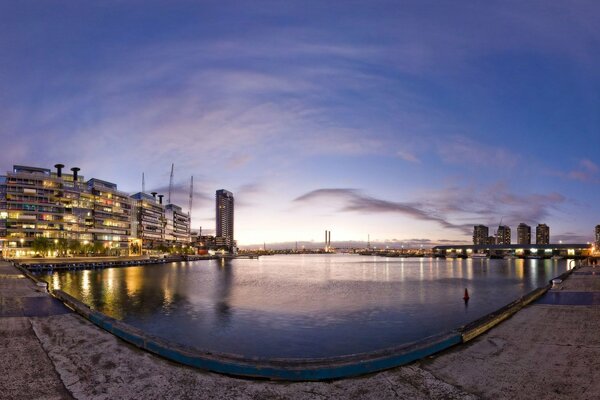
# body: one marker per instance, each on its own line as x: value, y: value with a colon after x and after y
x: 224, y: 219
x: 72, y: 213
x: 480, y: 234
x: 597, y: 236
x: 111, y: 215
x: 149, y: 220
x: 177, y: 229
x: 503, y: 235
x: 523, y: 234
x: 542, y: 234
x: 62, y: 208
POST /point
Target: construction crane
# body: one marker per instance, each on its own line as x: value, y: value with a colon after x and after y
x: 170, y: 184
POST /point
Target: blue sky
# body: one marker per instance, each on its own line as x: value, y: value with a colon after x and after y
x: 406, y: 120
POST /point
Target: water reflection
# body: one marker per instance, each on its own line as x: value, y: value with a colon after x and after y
x: 305, y: 306
x: 223, y: 292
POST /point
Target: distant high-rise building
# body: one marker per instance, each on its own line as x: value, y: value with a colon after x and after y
x: 542, y: 234
x: 523, y: 234
x: 491, y: 240
x: 503, y: 235
x: 597, y: 236
x: 224, y: 218
x: 480, y: 234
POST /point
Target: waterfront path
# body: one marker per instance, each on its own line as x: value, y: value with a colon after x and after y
x: 550, y: 349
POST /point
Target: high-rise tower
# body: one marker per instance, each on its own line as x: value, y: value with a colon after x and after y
x: 523, y: 234
x: 480, y: 234
x: 542, y: 234
x: 224, y: 218
x: 503, y: 235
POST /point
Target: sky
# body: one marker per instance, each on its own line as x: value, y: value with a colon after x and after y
x: 404, y: 121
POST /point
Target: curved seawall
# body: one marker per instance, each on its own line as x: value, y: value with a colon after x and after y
x: 281, y: 369
x: 300, y: 369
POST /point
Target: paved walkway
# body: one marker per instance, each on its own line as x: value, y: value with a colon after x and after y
x: 548, y: 350
x: 26, y: 371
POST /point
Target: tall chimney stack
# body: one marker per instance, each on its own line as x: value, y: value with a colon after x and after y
x: 59, y: 168
x: 75, y: 170
x: 160, y: 196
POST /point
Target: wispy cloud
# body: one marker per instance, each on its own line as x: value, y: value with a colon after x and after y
x: 457, y: 209
x: 490, y: 203
x: 463, y: 150
x: 352, y: 200
x: 408, y: 156
x: 587, y: 172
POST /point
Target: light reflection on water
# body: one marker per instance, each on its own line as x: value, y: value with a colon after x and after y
x: 305, y: 305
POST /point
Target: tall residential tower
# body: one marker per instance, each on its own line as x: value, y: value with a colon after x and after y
x: 224, y: 220
x: 542, y: 234
x: 523, y: 234
x: 503, y: 235
x: 480, y: 234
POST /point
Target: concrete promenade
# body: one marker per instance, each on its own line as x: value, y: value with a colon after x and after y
x: 548, y: 350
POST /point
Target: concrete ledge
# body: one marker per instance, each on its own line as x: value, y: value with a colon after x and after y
x: 484, y: 324
x: 278, y: 369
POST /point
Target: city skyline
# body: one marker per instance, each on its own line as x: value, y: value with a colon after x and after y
x: 407, y: 122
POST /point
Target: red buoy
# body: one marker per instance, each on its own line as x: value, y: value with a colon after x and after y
x: 466, y: 296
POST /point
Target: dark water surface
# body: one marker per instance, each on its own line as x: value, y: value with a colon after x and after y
x: 304, y: 305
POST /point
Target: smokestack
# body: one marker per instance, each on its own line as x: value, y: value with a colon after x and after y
x: 325, y: 239
x: 59, y: 168
x: 160, y: 196
x: 329, y: 240
x: 75, y: 170
x: 154, y: 194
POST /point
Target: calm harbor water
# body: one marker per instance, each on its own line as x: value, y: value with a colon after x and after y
x: 304, y: 305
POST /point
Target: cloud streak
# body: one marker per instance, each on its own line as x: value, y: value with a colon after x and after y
x: 352, y: 200
x: 457, y: 209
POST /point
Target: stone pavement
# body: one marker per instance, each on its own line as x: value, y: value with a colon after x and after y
x: 548, y: 350
x: 26, y: 371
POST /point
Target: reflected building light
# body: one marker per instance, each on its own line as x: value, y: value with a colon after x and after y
x: 168, y: 297
x: 55, y: 282
x: 85, y: 283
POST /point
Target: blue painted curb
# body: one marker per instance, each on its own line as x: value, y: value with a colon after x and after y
x: 277, y: 369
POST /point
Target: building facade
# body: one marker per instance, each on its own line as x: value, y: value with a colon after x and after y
x: 480, y: 234
x: 177, y: 230
x: 63, y: 210
x: 112, y: 213
x: 50, y: 212
x: 542, y: 234
x: 503, y: 235
x: 597, y: 232
x: 149, y: 220
x: 523, y: 234
x: 224, y: 219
